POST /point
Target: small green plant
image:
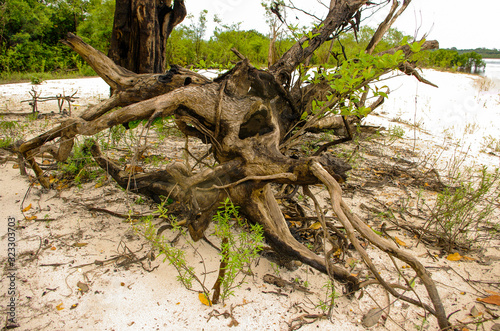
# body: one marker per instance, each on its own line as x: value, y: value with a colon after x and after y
x: 237, y: 251
x: 394, y: 133
x: 397, y: 132
x: 463, y: 207
x: 154, y: 160
x: 10, y: 131
x: 164, y: 128
x: 116, y: 133
x: 139, y: 201
x: 80, y: 165
x: 276, y: 268
x: 36, y: 80
x: 423, y: 326
x: 491, y: 143
x: 8, y: 126
x: 330, y: 295
x: 416, y: 125
x: 175, y: 256
x: 32, y: 117
x: 5, y: 142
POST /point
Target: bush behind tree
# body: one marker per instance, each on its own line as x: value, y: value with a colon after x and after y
x: 449, y: 59
x: 30, y: 34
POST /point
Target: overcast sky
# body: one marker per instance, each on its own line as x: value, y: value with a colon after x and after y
x: 454, y: 23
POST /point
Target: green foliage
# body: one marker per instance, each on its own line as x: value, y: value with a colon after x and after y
x: 185, y: 48
x: 97, y: 28
x: 36, y: 80
x: 395, y: 133
x: 80, y: 165
x: 10, y: 131
x: 461, y: 209
x: 330, y: 296
x: 447, y: 59
x: 348, y: 82
x: 175, y: 256
x: 30, y: 31
x: 116, y: 133
x: 6, y: 142
x: 349, y: 45
x: 239, y: 250
x: 252, y: 44
x: 492, y: 143
x: 484, y: 52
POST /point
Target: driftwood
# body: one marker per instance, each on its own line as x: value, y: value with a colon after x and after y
x: 60, y: 98
x: 246, y: 116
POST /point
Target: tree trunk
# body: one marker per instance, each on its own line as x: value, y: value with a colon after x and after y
x: 140, y: 32
x: 272, y: 52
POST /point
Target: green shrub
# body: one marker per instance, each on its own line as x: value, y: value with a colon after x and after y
x: 464, y: 207
x: 238, y: 251
x: 80, y: 165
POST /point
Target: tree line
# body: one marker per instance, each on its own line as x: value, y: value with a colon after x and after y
x: 30, y: 31
x: 484, y: 52
x: 450, y: 59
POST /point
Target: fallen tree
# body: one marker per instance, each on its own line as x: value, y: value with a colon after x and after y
x: 250, y: 118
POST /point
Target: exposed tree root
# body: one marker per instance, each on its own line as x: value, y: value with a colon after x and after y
x: 352, y: 223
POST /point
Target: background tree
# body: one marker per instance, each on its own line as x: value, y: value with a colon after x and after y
x: 140, y: 33
x: 24, y: 25
x: 30, y: 31
x: 275, y: 20
x: 97, y: 27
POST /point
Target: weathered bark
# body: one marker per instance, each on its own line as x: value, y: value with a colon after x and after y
x: 351, y: 224
x: 253, y: 115
x: 140, y: 32
x: 386, y: 24
x: 128, y: 88
x: 340, y: 14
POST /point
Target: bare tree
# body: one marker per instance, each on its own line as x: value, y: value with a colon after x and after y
x: 275, y: 20
x: 249, y: 117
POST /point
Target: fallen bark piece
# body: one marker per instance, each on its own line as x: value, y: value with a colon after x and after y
x: 371, y: 317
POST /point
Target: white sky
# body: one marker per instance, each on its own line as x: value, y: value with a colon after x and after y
x: 454, y: 23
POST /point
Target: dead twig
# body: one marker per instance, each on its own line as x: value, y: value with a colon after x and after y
x: 304, y: 319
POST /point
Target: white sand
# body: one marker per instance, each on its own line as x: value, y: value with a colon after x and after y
x: 88, y: 91
x: 464, y: 108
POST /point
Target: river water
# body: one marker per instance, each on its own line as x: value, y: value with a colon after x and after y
x: 492, y: 69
